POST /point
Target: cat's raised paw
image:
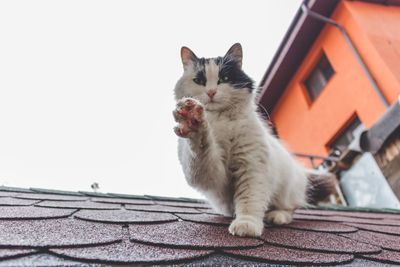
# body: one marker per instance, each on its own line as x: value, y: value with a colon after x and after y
x: 279, y: 217
x: 246, y: 226
x: 189, y: 114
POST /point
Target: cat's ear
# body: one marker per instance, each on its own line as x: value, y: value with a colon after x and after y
x: 187, y: 56
x: 236, y: 53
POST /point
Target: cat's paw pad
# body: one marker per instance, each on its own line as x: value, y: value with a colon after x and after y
x: 279, y: 217
x: 246, y: 226
x: 189, y: 114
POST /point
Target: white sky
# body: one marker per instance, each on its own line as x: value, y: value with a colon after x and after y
x: 86, y: 87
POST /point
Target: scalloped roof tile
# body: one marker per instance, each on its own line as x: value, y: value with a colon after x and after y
x: 32, y: 212
x: 328, y: 227
x: 114, y: 228
x: 387, y: 241
x: 122, y: 201
x: 10, y: 201
x: 124, y: 216
x: 44, y: 259
x: 161, y: 208
x: 316, y: 241
x: 385, y: 256
x: 190, y: 235
x: 205, y: 218
x: 40, y: 196
x: 9, y: 253
x: 56, y: 233
x: 79, y: 205
x: 293, y: 256
x: 131, y: 252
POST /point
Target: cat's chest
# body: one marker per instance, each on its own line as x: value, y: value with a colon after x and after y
x: 222, y: 127
x: 225, y: 131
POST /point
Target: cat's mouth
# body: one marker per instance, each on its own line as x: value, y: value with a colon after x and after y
x: 212, y: 101
x: 212, y: 105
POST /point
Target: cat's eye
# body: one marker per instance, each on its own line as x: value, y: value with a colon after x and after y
x: 223, y: 79
x: 197, y: 81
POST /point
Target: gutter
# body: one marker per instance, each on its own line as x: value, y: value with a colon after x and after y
x: 355, y: 52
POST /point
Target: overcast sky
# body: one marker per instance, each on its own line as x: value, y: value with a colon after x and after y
x: 86, y: 87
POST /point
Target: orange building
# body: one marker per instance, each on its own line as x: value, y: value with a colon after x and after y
x: 336, y: 72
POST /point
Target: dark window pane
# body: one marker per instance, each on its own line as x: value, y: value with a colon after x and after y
x: 347, y: 135
x: 326, y: 67
x: 318, y: 77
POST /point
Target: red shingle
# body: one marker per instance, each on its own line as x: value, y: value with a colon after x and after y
x: 10, y: 201
x: 50, y: 197
x: 328, y: 227
x: 351, y: 214
x: 184, y: 204
x: 124, y: 216
x: 385, y: 256
x: 8, y: 253
x: 79, y: 205
x: 33, y: 213
x: 131, y: 252
x: 346, y: 219
x: 291, y: 256
x: 188, y: 234
x: 390, y: 242
x: 206, y: 218
x: 308, y: 240
x: 161, y: 208
x: 394, y: 230
x: 56, y: 233
x: 122, y: 201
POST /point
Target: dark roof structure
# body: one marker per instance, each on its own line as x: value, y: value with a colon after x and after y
x: 300, y: 36
x: 57, y: 228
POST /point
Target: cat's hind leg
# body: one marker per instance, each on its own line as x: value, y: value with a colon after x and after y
x: 289, y: 196
x: 283, y: 205
x: 279, y: 217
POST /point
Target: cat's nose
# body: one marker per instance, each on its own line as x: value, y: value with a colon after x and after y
x: 211, y: 93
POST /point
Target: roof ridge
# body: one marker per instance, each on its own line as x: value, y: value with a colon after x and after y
x: 352, y: 209
x: 34, y: 190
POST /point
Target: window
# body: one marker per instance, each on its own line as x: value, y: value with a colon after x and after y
x: 319, y: 77
x: 347, y: 135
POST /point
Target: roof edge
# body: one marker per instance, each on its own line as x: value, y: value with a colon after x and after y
x: 296, y: 43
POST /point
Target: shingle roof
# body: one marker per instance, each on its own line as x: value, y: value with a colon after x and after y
x: 57, y: 228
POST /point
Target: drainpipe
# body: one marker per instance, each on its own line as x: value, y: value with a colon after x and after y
x: 355, y: 52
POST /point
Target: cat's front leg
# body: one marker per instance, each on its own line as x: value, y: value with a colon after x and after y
x: 250, y: 200
x: 199, y: 154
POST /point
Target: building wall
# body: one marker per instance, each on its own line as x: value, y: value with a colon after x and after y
x: 308, y: 127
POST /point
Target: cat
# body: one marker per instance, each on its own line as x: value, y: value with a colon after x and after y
x: 227, y: 151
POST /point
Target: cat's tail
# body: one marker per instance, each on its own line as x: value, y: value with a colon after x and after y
x: 320, y: 185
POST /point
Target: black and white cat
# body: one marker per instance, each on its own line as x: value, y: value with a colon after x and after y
x: 226, y: 150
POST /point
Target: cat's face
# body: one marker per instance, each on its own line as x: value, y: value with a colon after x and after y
x: 218, y: 83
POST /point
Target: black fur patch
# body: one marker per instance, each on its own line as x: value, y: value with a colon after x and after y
x: 229, y: 72
x: 201, y: 71
x: 235, y: 75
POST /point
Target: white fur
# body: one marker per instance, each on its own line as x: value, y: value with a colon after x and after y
x: 233, y: 159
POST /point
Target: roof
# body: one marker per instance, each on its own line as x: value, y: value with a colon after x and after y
x: 300, y: 36
x: 58, y: 228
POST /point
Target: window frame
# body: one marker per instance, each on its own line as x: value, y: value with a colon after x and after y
x: 342, y: 130
x: 312, y: 68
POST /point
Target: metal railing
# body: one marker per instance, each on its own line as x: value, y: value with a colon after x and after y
x: 312, y: 158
